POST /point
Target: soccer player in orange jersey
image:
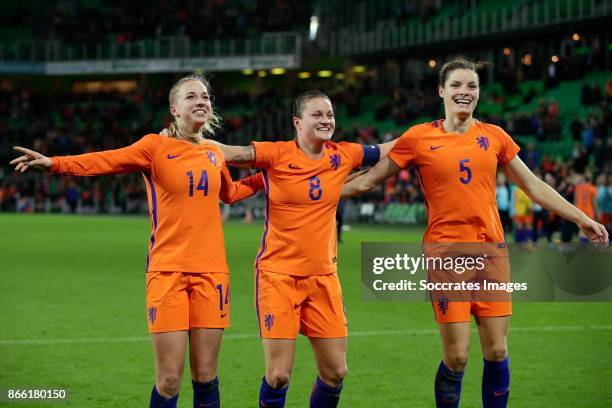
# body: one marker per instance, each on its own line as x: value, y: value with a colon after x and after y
x: 296, y: 285
x: 187, y: 279
x: 457, y: 158
x: 585, y: 198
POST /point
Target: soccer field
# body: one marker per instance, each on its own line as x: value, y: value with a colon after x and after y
x: 73, y: 318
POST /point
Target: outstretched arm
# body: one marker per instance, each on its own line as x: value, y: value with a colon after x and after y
x: 385, y: 148
x: 238, y: 155
x: 234, y: 191
x: 30, y: 159
x: 135, y: 157
x: 384, y: 169
x: 544, y: 195
x: 372, y: 154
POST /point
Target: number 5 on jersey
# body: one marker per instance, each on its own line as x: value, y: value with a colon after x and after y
x: 463, y: 168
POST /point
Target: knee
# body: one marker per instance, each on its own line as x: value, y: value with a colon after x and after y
x: 497, y: 352
x: 334, y: 376
x: 456, y: 360
x: 169, y: 385
x: 278, y: 378
x: 203, y: 375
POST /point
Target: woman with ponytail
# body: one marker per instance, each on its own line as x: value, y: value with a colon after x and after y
x: 187, y: 278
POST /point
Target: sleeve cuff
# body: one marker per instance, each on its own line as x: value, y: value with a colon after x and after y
x: 55, y: 164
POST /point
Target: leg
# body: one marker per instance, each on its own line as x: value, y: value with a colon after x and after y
x: 204, y: 346
x: 169, y: 350
x: 535, y: 235
x: 278, y: 304
x: 493, y: 333
x: 168, y: 320
x: 209, y: 313
x: 279, y: 355
x: 330, y: 355
x: 456, y: 343
x: 324, y: 322
x: 518, y: 231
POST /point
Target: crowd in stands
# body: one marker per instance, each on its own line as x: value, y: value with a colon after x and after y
x: 587, y: 170
x: 365, y: 14
x: 527, y: 222
x: 131, y: 21
x: 59, y: 123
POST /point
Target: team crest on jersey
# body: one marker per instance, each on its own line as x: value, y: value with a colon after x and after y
x: 269, y: 320
x: 443, y: 305
x: 152, y: 314
x: 334, y: 160
x: 212, y: 158
x: 483, y: 142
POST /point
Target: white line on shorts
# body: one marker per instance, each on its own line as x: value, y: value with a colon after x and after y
x: 239, y: 336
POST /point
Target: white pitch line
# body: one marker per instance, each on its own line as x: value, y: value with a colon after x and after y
x: 238, y: 336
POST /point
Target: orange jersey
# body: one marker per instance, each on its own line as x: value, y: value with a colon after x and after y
x: 458, y: 178
x: 584, y: 195
x: 302, y: 195
x: 184, y: 182
x: 234, y: 191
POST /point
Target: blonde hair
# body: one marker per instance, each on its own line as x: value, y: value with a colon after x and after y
x: 213, y: 122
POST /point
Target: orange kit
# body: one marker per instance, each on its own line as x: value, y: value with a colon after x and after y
x: 458, y: 177
x: 296, y: 285
x: 184, y: 183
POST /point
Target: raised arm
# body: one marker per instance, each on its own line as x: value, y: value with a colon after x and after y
x: 30, y: 159
x: 240, y: 156
x: 384, y: 169
x: 544, y: 195
x: 234, y: 191
x: 135, y: 157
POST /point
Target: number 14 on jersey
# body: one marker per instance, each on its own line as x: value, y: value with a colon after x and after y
x: 202, y: 184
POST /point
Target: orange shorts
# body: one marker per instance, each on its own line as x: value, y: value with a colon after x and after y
x: 310, y: 305
x: 524, y: 219
x: 481, y: 303
x: 455, y: 312
x: 181, y: 301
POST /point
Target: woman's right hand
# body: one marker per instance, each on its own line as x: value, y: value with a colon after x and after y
x: 30, y: 158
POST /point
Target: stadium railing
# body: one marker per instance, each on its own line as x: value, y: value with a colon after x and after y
x: 476, y: 22
x: 31, y: 50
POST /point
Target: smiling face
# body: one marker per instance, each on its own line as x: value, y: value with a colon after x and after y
x: 191, y: 106
x: 460, y: 93
x: 317, y: 122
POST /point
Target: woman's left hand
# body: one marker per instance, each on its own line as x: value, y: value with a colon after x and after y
x: 595, y: 231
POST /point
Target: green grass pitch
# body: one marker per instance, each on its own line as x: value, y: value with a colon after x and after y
x: 73, y: 317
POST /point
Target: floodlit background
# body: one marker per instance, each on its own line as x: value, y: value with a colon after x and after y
x: 87, y: 75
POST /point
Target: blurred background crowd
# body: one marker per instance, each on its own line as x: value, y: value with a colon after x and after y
x: 551, y: 90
